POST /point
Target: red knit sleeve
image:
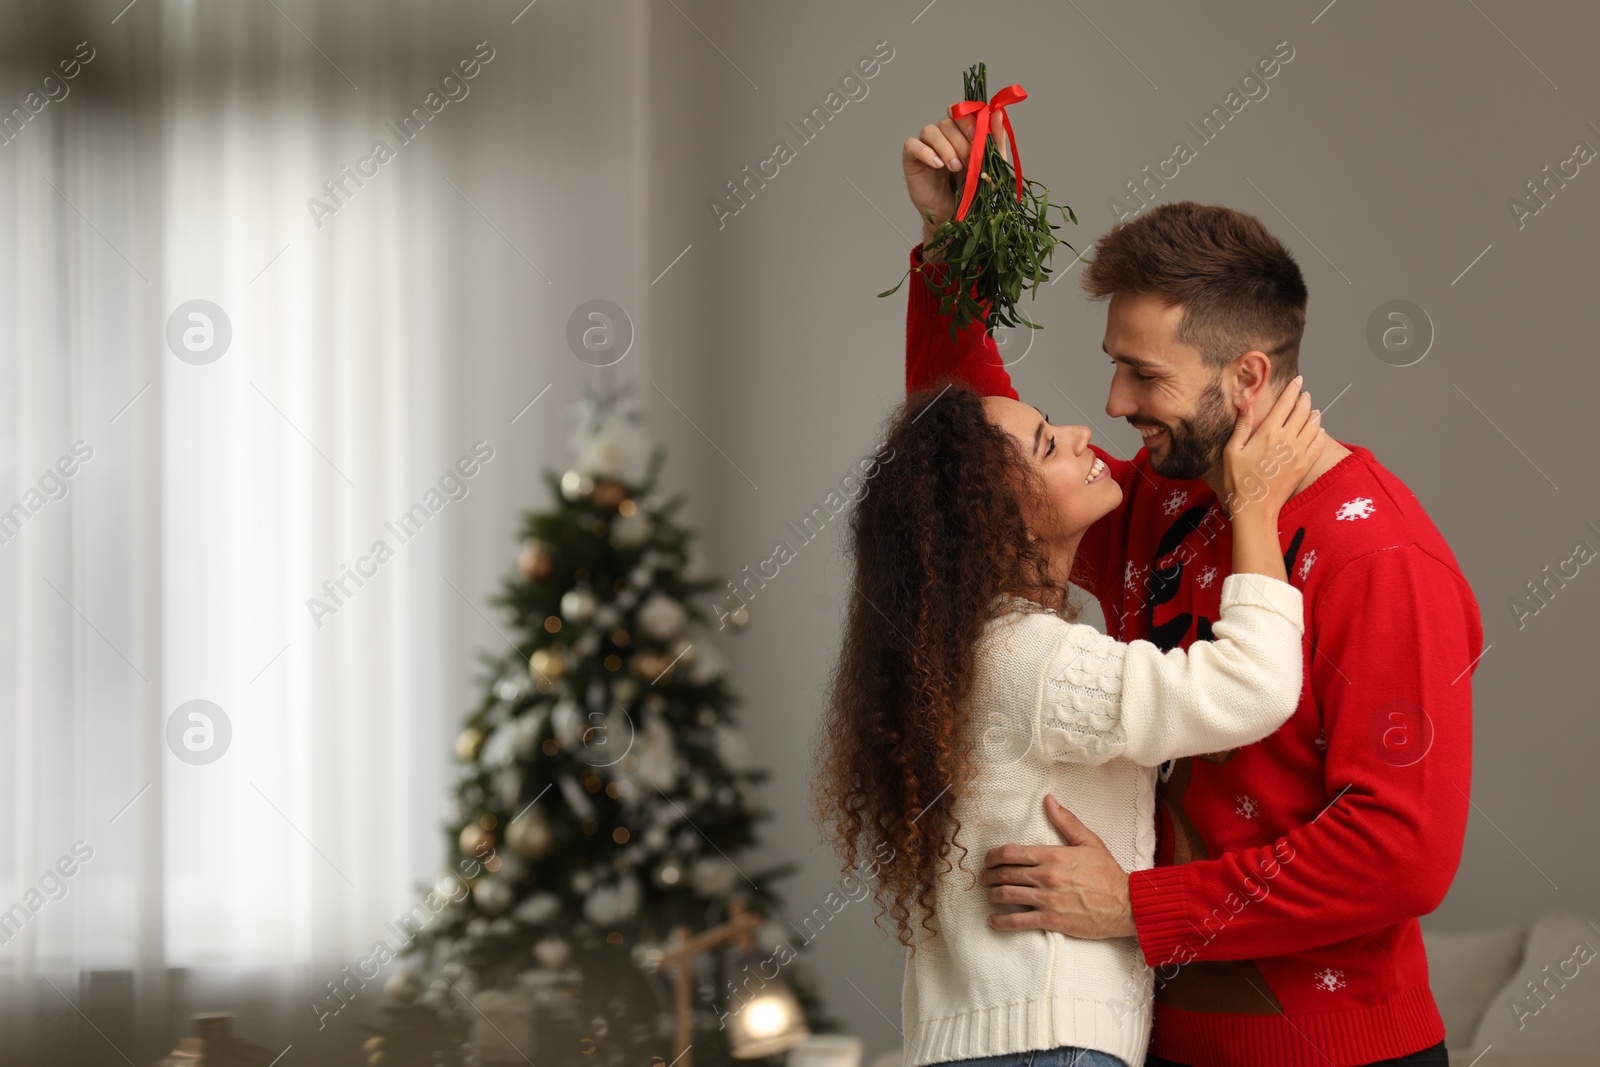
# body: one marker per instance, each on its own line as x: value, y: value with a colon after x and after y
x: 930, y: 354
x: 1392, y: 637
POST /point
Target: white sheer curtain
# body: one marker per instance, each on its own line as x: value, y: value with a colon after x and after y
x: 370, y: 350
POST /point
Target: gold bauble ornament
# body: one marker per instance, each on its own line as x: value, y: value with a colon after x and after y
x: 468, y: 743
x: 548, y: 663
x: 474, y: 840
x: 529, y: 836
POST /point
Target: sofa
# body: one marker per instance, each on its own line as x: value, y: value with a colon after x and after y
x: 1519, y: 996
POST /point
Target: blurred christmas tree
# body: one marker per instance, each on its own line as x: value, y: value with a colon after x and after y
x: 604, y: 789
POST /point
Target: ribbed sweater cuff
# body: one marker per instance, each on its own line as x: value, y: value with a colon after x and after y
x: 1160, y: 914
x: 1264, y: 592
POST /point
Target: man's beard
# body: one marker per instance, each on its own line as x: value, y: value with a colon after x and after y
x: 1195, y: 444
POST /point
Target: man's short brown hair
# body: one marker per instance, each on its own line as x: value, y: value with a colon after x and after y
x: 1239, y: 286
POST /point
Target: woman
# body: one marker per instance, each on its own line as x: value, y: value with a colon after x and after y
x: 966, y: 690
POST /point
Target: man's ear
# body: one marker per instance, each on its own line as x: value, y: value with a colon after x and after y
x: 1251, y: 374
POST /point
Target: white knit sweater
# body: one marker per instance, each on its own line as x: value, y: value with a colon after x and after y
x: 1061, y: 708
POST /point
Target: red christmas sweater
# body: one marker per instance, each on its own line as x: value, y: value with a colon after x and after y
x: 1281, y: 916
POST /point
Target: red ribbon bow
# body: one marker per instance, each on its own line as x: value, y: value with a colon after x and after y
x: 996, y: 107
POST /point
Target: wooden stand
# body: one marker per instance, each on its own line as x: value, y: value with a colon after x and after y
x: 740, y: 927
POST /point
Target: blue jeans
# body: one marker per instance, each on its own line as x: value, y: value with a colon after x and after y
x: 1065, y: 1056
x: 1434, y: 1054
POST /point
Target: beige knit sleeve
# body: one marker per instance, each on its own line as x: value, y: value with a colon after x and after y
x: 1104, y: 699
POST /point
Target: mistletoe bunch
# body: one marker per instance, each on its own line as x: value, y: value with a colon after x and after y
x: 1002, y: 244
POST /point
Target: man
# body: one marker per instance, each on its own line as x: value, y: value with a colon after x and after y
x: 1280, y: 920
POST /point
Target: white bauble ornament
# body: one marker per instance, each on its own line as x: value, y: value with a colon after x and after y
x: 491, y: 895
x: 661, y: 617
x: 497, y: 750
x: 578, y: 801
x: 511, y: 688
x: 525, y: 732
x: 731, y: 747
x: 508, y: 783
x: 451, y: 887
x: 577, y: 605
x: 647, y: 956
x: 657, y: 754
x: 608, y: 905
x: 539, y: 908
x: 628, y: 894
x: 631, y: 531
x: 566, y: 721
x: 713, y: 876
x: 610, y: 444
x: 707, y: 665
x: 552, y: 953
x: 576, y: 486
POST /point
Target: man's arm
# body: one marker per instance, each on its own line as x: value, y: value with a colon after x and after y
x: 1392, y: 641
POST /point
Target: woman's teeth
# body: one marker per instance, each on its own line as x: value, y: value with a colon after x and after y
x: 1096, y: 469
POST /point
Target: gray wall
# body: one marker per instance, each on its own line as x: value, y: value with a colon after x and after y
x: 1392, y: 140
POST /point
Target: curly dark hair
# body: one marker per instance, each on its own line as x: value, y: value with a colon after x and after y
x: 938, y: 537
